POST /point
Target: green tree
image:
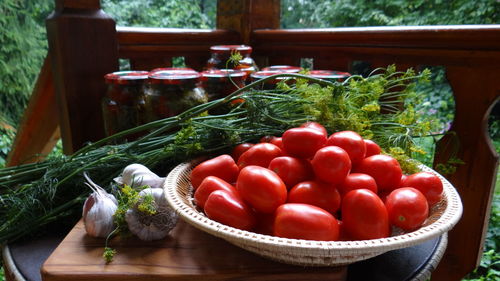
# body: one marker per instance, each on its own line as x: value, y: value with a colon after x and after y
x: 162, y: 13
x: 23, y: 46
x: 337, y: 13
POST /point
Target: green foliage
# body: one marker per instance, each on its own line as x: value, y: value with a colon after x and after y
x: 438, y: 101
x: 489, y: 268
x: 6, y: 139
x: 337, y: 13
x: 162, y: 13
x: 23, y: 46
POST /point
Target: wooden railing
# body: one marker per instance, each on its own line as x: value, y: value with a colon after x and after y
x: 84, y: 45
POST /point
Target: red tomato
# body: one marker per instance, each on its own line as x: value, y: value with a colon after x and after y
x: 209, y: 185
x: 384, y: 169
x: 229, y: 209
x: 291, y: 170
x: 316, y: 126
x: 364, y: 215
x: 319, y: 194
x: 403, y: 178
x: 261, y: 188
x: 278, y: 141
x: 407, y: 208
x: 303, y: 221
x: 429, y: 184
x: 240, y: 149
x: 260, y: 154
x: 331, y: 164
x: 343, y: 236
x: 303, y: 142
x: 351, y: 142
x: 266, y: 139
x: 357, y: 181
x: 372, y: 148
x: 222, y: 166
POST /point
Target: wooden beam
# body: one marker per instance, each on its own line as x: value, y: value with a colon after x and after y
x: 244, y: 16
x: 475, y: 91
x: 83, y: 48
x: 38, y: 131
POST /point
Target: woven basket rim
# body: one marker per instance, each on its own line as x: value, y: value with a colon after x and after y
x: 246, y: 239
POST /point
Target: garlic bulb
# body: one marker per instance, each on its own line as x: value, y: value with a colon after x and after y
x: 136, y: 175
x: 155, y: 226
x: 98, y: 211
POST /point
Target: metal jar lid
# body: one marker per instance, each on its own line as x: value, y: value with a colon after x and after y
x: 222, y: 74
x: 242, y: 49
x: 283, y: 68
x: 126, y: 77
x: 329, y: 75
x: 174, y: 77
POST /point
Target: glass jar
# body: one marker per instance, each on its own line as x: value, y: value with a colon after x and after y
x: 330, y: 75
x: 171, y: 92
x: 219, y: 83
x: 123, y: 105
x: 220, y: 55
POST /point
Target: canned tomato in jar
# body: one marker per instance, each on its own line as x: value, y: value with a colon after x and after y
x: 219, y: 83
x: 123, y: 105
x: 171, y: 92
x: 220, y: 55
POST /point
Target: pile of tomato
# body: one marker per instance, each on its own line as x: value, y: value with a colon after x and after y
x: 308, y: 185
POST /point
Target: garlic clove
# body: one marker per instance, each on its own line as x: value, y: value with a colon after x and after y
x: 98, y: 218
x: 139, y: 175
x: 98, y: 211
x: 152, y: 227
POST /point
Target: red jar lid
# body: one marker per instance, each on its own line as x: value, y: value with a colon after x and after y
x: 173, y: 76
x: 187, y: 69
x: 329, y: 74
x: 283, y: 68
x: 126, y: 77
x: 242, y: 49
x: 222, y: 74
x: 266, y: 73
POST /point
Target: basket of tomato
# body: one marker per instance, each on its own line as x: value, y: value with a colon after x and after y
x: 306, y: 198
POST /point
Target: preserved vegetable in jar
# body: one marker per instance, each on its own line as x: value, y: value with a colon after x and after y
x: 219, y: 83
x: 123, y: 105
x: 220, y: 55
x: 171, y: 92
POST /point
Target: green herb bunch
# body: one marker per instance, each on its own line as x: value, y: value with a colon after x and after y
x: 34, y: 196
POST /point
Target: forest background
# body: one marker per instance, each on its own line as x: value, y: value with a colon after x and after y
x: 23, y: 46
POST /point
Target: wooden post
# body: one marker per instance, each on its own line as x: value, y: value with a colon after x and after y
x: 83, y: 48
x: 475, y: 91
x: 38, y: 131
x: 245, y: 16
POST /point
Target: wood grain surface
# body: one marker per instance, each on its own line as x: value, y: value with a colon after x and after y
x: 186, y: 254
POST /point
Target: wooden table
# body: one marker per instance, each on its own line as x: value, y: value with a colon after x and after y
x: 190, y: 254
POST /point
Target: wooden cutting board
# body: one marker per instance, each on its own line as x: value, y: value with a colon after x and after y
x: 186, y: 254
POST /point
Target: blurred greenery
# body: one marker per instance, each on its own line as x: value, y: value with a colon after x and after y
x: 336, y: 13
x: 23, y: 46
x: 162, y: 13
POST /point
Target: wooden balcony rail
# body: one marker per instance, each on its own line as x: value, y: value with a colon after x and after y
x: 84, y: 44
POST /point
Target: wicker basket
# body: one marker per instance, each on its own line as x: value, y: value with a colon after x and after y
x: 443, y: 216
